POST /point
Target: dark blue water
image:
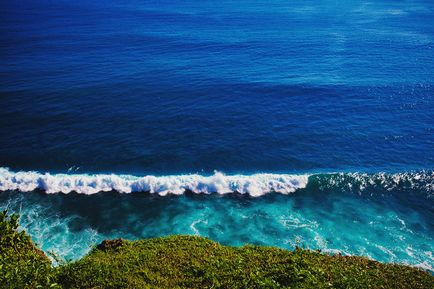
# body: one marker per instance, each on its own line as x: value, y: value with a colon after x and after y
x: 276, y: 96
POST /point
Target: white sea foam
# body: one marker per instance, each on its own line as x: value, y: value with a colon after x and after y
x: 359, y: 182
x: 254, y: 185
x: 424, y: 265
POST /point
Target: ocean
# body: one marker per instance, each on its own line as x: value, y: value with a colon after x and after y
x: 284, y: 123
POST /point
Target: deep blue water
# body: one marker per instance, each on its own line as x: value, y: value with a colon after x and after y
x: 335, y: 96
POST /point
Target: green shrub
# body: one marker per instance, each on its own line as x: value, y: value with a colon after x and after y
x: 195, y: 262
x: 22, y: 265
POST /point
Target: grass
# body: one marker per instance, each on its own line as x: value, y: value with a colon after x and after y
x: 194, y: 262
x: 22, y: 264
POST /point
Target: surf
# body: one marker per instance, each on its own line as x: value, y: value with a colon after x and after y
x: 254, y: 185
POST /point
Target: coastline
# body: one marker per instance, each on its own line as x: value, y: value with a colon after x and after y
x: 192, y: 262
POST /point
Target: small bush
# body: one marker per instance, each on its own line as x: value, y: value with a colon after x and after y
x: 22, y: 265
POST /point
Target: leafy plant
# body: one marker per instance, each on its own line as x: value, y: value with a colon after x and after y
x: 22, y: 265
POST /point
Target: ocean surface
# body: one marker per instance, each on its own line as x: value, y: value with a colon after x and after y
x: 283, y: 123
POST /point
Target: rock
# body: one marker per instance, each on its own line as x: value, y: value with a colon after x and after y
x: 110, y: 244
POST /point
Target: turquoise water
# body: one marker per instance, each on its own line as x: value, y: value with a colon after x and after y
x: 376, y: 217
x: 290, y: 123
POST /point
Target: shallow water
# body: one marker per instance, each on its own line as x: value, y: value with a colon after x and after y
x: 385, y: 217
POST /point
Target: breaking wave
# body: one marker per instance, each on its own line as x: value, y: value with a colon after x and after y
x: 254, y: 185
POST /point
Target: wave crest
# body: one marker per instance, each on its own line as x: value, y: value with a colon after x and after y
x: 386, y: 182
x: 254, y: 185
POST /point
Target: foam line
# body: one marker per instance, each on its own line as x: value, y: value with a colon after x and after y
x: 254, y: 185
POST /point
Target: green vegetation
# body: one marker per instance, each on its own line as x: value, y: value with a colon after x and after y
x: 193, y: 262
x: 22, y: 265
